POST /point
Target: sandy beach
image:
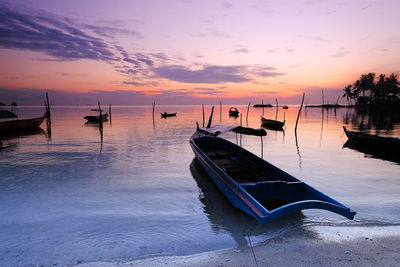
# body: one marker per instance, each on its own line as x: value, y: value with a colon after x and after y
x: 372, y: 249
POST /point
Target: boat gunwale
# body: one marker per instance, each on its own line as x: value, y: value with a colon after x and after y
x: 326, y: 202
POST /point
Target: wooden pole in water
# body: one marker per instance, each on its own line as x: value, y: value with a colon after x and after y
x: 276, y: 115
x: 247, y: 115
x: 203, y: 116
x: 220, y: 112
x: 298, y: 115
x: 323, y: 103
x: 100, y: 123
x: 210, y: 119
x: 262, y: 103
x: 109, y: 111
x: 48, y: 114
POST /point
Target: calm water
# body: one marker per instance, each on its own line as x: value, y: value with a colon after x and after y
x: 71, y: 198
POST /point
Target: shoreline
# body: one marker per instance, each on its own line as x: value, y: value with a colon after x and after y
x: 372, y: 249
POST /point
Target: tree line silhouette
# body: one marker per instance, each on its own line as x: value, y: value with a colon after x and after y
x: 374, y: 91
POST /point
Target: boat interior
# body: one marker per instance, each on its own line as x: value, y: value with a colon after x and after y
x: 271, y: 187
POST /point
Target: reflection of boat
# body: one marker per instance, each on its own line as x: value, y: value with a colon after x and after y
x: 373, y: 141
x: 20, y: 125
x: 272, y: 124
x: 10, y: 140
x: 96, y: 119
x: 233, y: 112
x: 374, y: 152
x: 166, y: 115
x: 254, y: 185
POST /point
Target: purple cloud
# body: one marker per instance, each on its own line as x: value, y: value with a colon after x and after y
x: 52, y: 36
x: 209, y: 74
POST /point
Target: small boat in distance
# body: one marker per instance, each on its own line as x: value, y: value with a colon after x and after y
x: 96, y: 119
x: 20, y: 125
x: 233, y: 112
x: 387, y: 144
x: 285, y: 107
x: 252, y: 184
x: 272, y: 124
x: 166, y: 115
x: 262, y: 105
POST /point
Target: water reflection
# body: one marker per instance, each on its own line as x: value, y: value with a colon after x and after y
x: 10, y: 141
x: 224, y: 217
x: 393, y: 156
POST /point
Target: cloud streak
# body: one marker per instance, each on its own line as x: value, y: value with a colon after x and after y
x: 52, y: 36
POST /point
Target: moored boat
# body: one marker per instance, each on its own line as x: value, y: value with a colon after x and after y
x: 252, y: 184
x: 166, y: 115
x: 20, y: 125
x: 272, y: 124
x: 388, y: 144
x: 233, y: 112
x: 96, y: 119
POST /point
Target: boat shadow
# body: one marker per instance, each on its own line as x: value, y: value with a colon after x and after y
x: 9, y: 141
x: 224, y: 217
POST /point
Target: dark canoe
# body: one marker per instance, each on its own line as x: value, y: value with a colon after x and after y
x: 233, y: 112
x: 262, y: 105
x: 272, y: 124
x: 20, y: 125
x: 388, y: 144
x: 255, y: 186
x: 166, y: 115
x: 96, y: 119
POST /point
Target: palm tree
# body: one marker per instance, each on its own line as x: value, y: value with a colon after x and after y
x: 348, y: 93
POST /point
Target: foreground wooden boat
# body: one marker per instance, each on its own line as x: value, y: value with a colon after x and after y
x: 388, y: 144
x: 166, y: 115
x: 20, y: 125
x: 272, y: 124
x: 96, y: 119
x: 254, y: 185
x: 233, y: 112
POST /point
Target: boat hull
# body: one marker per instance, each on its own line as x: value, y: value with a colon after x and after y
x: 20, y: 125
x: 264, y: 200
x: 96, y: 119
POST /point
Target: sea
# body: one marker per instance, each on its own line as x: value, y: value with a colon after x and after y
x: 134, y: 190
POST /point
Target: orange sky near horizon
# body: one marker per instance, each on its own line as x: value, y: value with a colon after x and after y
x: 224, y: 49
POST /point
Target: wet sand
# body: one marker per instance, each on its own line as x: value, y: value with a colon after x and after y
x: 281, y: 251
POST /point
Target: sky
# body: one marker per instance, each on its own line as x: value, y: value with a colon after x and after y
x: 192, y: 52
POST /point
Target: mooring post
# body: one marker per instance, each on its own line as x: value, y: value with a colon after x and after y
x: 210, y: 119
x: 220, y: 112
x: 203, y: 115
x: 298, y: 115
x: 262, y: 103
x: 109, y: 111
x: 247, y: 115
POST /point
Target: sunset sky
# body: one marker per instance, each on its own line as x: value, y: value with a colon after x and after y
x: 191, y: 52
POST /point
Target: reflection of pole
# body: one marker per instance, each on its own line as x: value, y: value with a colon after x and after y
x: 240, y: 125
x: 322, y: 127
x: 298, y: 115
x: 262, y: 147
x: 297, y: 148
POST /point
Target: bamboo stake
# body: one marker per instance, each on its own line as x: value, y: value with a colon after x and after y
x: 322, y: 90
x: 276, y: 114
x: 203, y: 115
x: 220, y: 112
x: 262, y: 103
x: 210, y: 119
x: 298, y: 115
x: 247, y: 115
x: 109, y: 111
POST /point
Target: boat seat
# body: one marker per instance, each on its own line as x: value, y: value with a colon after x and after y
x: 217, y: 154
